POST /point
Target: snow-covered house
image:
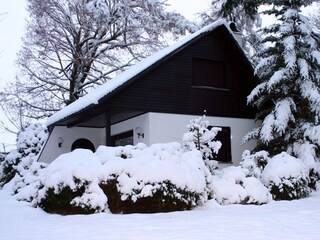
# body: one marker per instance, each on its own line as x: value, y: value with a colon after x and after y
x: 153, y: 101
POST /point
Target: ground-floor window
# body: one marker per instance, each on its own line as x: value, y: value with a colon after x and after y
x: 122, y: 139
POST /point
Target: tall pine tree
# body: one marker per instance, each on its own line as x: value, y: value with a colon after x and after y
x: 288, y: 97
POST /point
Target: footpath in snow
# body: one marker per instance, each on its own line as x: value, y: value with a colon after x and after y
x: 292, y: 220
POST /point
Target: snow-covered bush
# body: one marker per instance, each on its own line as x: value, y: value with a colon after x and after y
x: 7, y: 167
x: 69, y: 184
x: 2, y: 156
x: 307, y: 152
x: 151, y: 198
x: 287, y: 177
x: 18, y: 161
x: 79, y: 200
x: 162, y: 177
x: 25, y: 184
x: 201, y: 136
x: 31, y: 139
x: 254, y: 163
x: 234, y: 186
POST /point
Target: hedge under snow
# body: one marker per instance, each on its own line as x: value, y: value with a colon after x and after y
x: 140, y: 171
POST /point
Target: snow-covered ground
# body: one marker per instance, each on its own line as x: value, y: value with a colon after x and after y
x: 298, y: 219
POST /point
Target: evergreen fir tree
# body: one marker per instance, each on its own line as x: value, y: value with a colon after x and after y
x: 288, y: 97
x: 30, y: 141
x: 201, y: 136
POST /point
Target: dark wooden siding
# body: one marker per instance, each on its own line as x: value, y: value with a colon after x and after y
x: 168, y: 88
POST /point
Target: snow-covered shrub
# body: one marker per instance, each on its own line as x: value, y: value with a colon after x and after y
x: 85, y: 198
x: 69, y: 185
x: 29, y: 143
x: 201, y: 136
x: 254, y: 163
x: 153, y: 197
x: 287, y: 177
x: 31, y: 139
x: 306, y: 151
x: 234, y: 186
x: 7, y: 167
x: 2, y: 156
x: 242, y: 184
x: 212, y: 165
x: 26, y: 183
x: 162, y: 177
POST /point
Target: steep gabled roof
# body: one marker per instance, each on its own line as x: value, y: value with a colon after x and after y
x: 122, y: 80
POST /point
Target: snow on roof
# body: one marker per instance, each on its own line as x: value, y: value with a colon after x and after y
x: 108, y: 87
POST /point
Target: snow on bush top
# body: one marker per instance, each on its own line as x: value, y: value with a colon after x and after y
x: 283, y: 166
x: 138, y: 168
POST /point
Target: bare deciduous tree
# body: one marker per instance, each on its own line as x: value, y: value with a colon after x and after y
x: 73, y: 45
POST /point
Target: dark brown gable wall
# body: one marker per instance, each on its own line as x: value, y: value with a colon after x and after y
x: 231, y: 101
x: 168, y: 88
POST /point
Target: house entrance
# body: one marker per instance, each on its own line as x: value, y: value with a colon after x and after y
x: 83, y: 143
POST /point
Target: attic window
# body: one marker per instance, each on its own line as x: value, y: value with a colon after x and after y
x: 208, y: 73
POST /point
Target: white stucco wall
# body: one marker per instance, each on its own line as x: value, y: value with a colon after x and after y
x: 69, y: 135
x: 170, y: 127
x: 157, y: 128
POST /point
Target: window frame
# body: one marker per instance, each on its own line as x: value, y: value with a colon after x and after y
x: 122, y: 136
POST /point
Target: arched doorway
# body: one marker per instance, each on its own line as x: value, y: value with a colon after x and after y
x: 83, y: 143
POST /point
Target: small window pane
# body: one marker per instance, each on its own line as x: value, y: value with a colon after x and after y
x: 122, y: 139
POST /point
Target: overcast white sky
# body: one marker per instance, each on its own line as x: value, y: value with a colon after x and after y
x: 12, y: 28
